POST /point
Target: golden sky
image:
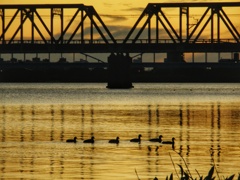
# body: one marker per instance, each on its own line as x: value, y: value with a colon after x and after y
x: 128, y: 7
x: 125, y: 10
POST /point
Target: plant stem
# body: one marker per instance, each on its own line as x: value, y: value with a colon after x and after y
x: 137, y: 174
x: 174, y: 165
x: 185, y: 165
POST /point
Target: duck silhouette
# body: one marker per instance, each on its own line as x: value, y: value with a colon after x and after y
x: 89, y: 140
x: 159, y: 139
x: 74, y: 140
x: 170, y: 142
x: 137, y: 139
x: 114, y: 141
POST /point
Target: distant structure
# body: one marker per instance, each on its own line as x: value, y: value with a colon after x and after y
x: 234, y: 60
x: 83, y: 31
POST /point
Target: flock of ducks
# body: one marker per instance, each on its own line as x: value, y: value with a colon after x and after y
x: 116, y: 141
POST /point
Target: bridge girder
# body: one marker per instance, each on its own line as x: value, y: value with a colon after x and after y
x: 13, y: 30
x: 85, y: 22
x: 121, y: 48
x: 159, y: 11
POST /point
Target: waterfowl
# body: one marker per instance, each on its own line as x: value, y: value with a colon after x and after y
x: 74, y: 140
x: 137, y: 139
x: 159, y: 139
x: 89, y: 140
x: 114, y: 141
x: 170, y: 142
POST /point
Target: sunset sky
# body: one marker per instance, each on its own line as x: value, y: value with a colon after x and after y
x: 118, y: 15
x: 121, y: 9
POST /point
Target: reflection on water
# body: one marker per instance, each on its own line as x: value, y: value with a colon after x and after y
x: 33, y: 140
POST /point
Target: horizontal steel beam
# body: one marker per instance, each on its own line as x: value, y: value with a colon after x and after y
x: 197, y: 4
x: 124, y: 48
x: 187, y: 4
x: 40, y: 6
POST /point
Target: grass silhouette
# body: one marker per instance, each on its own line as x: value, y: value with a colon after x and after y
x: 185, y: 174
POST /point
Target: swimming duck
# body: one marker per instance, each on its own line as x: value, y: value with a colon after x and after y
x: 137, y: 139
x: 89, y: 140
x: 114, y: 141
x: 74, y: 140
x: 159, y: 139
x: 170, y: 142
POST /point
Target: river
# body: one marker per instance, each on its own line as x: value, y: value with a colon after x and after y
x: 36, y: 119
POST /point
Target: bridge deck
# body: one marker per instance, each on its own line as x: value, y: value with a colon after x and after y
x: 125, y: 48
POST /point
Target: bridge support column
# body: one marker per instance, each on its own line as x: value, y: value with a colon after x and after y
x: 119, y: 71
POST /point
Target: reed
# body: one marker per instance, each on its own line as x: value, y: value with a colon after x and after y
x: 185, y: 174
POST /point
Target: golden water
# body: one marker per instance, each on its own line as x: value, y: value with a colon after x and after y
x: 33, y: 134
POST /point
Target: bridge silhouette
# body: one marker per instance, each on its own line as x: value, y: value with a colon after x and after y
x: 77, y: 28
x: 33, y: 28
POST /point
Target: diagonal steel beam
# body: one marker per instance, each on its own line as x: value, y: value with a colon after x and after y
x: 34, y: 25
x: 9, y: 24
x: 135, y: 25
x: 75, y: 31
x: 90, y: 13
x: 229, y: 28
x: 198, y: 24
x: 143, y: 27
x: 68, y: 25
x: 166, y: 29
x: 230, y: 22
x: 169, y: 24
x: 104, y: 26
x: 2, y: 14
x: 45, y: 26
x: 18, y: 29
x: 199, y: 34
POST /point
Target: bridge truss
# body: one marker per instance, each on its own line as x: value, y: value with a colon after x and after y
x: 212, y: 29
x: 82, y: 26
x: 212, y: 12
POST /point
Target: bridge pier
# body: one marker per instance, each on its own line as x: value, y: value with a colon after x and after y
x: 119, y: 71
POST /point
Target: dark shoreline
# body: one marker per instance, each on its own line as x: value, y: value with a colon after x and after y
x: 230, y: 73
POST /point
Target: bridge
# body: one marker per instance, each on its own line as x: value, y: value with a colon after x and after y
x: 171, y: 28
x: 35, y: 29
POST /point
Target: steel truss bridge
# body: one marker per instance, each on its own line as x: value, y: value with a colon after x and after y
x: 53, y: 29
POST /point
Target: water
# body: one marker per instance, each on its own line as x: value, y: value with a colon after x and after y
x: 36, y: 120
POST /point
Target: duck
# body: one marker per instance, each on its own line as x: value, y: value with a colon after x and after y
x: 170, y: 142
x: 159, y: 139
x: 74, y: 140
x: 89, y: 140
x: 114, y: 141
x: 137, y: 139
